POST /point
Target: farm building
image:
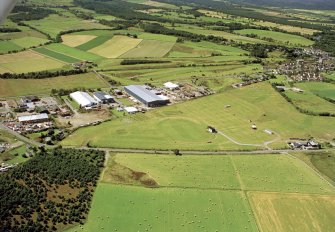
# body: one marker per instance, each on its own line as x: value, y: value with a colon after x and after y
x: 29, y: 99
x: 131, y: 110
x: 83, y: 99
x: 38, y: 118
x: 103, y: 97
x: 145, y: 96
x: 171, y: 86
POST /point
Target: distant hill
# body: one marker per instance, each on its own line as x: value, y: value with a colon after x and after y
x: 305, y: 4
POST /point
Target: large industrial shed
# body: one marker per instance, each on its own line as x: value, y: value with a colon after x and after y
x: 145, y: 96
x: 83, y: 99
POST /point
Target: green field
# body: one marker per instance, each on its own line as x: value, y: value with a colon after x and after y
x: 6, y: 46
x: 209, y: 190
x: 149, y: 48
x: 94, y: 43
x: 270, y: 173
x: 116, y: 46
x: 293, y: 212
x: 122, y: 208
x: 73, y: 52
x: 278, y: 37
x: 27, y: 61
x: 226, y: 35
x: 324, y: 162
x: 322, y: 89
x: 183, y: 126
x: 56, y: 55
x: 54, y: 24
x: 20, y: 87
x: 309, y: 101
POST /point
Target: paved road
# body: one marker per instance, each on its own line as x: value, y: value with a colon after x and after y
x: 190, y: 152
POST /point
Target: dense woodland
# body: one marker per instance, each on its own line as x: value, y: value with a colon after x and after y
x: 52, y: 190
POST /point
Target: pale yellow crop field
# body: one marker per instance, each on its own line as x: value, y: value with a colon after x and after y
x: 116, y: 46
x: 76, y: 40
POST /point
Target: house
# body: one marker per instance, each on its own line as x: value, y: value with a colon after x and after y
x: 37, y: 118
x: 254, y: 127
x: 211, y: 130
x: 305, y: 145
x: 145, y: 96
x: 103, y: 97
x: 171, y: 86
x: 83, y: 99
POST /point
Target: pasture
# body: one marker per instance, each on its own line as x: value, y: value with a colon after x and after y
x: 27, y: 61
x: 56, y: 55
x: 20, y: 87
x: 116, y: 46
x: 73, y: 52
x: 125, y: 208
x: 309, y: 101
x: 226, y: 35
x: 270, y: 173
x: 322, y: 89
x: 209, y: 190
x: 149, y: 48
x: 183, y: 126
x: 280, y: 212
x: 55, y: 23
x: 280, y: 37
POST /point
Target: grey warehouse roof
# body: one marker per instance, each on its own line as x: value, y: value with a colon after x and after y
x: 143, y: 93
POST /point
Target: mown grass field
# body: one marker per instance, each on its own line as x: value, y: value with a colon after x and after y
x: 278, y: 37
x: 226, y: 35
x: 322, y: 89
x: 149, y: 48
x: 182, y: 126
x: 309, y: 101
x: 56, y: 55
x: 293, y: 212
x: 116, y: 46
x: 20, y: 87
x: 209, y: 190
x: 27, y: 61
x: 73, y: 52
x: 270, y: 173
x: 124, y: 208
x: 217, y: 77
x: 324, y: 162
x: 76, y: 40
x: 54, y: 24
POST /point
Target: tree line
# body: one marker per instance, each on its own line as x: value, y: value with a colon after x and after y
x: 42, y: 74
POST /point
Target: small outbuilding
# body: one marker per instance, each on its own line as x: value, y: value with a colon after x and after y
x: 211, y: 130
x: 171, y: 86
x: 131, y: 110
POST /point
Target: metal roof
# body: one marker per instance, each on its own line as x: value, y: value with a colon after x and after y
x: 83, y: 98
x: 102, y: 95
x: 143, y: 93
x: 33, y: 117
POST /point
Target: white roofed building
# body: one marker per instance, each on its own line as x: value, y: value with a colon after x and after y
x: 36, y: 118
x: 171, y: 86
x: 83, y: 99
